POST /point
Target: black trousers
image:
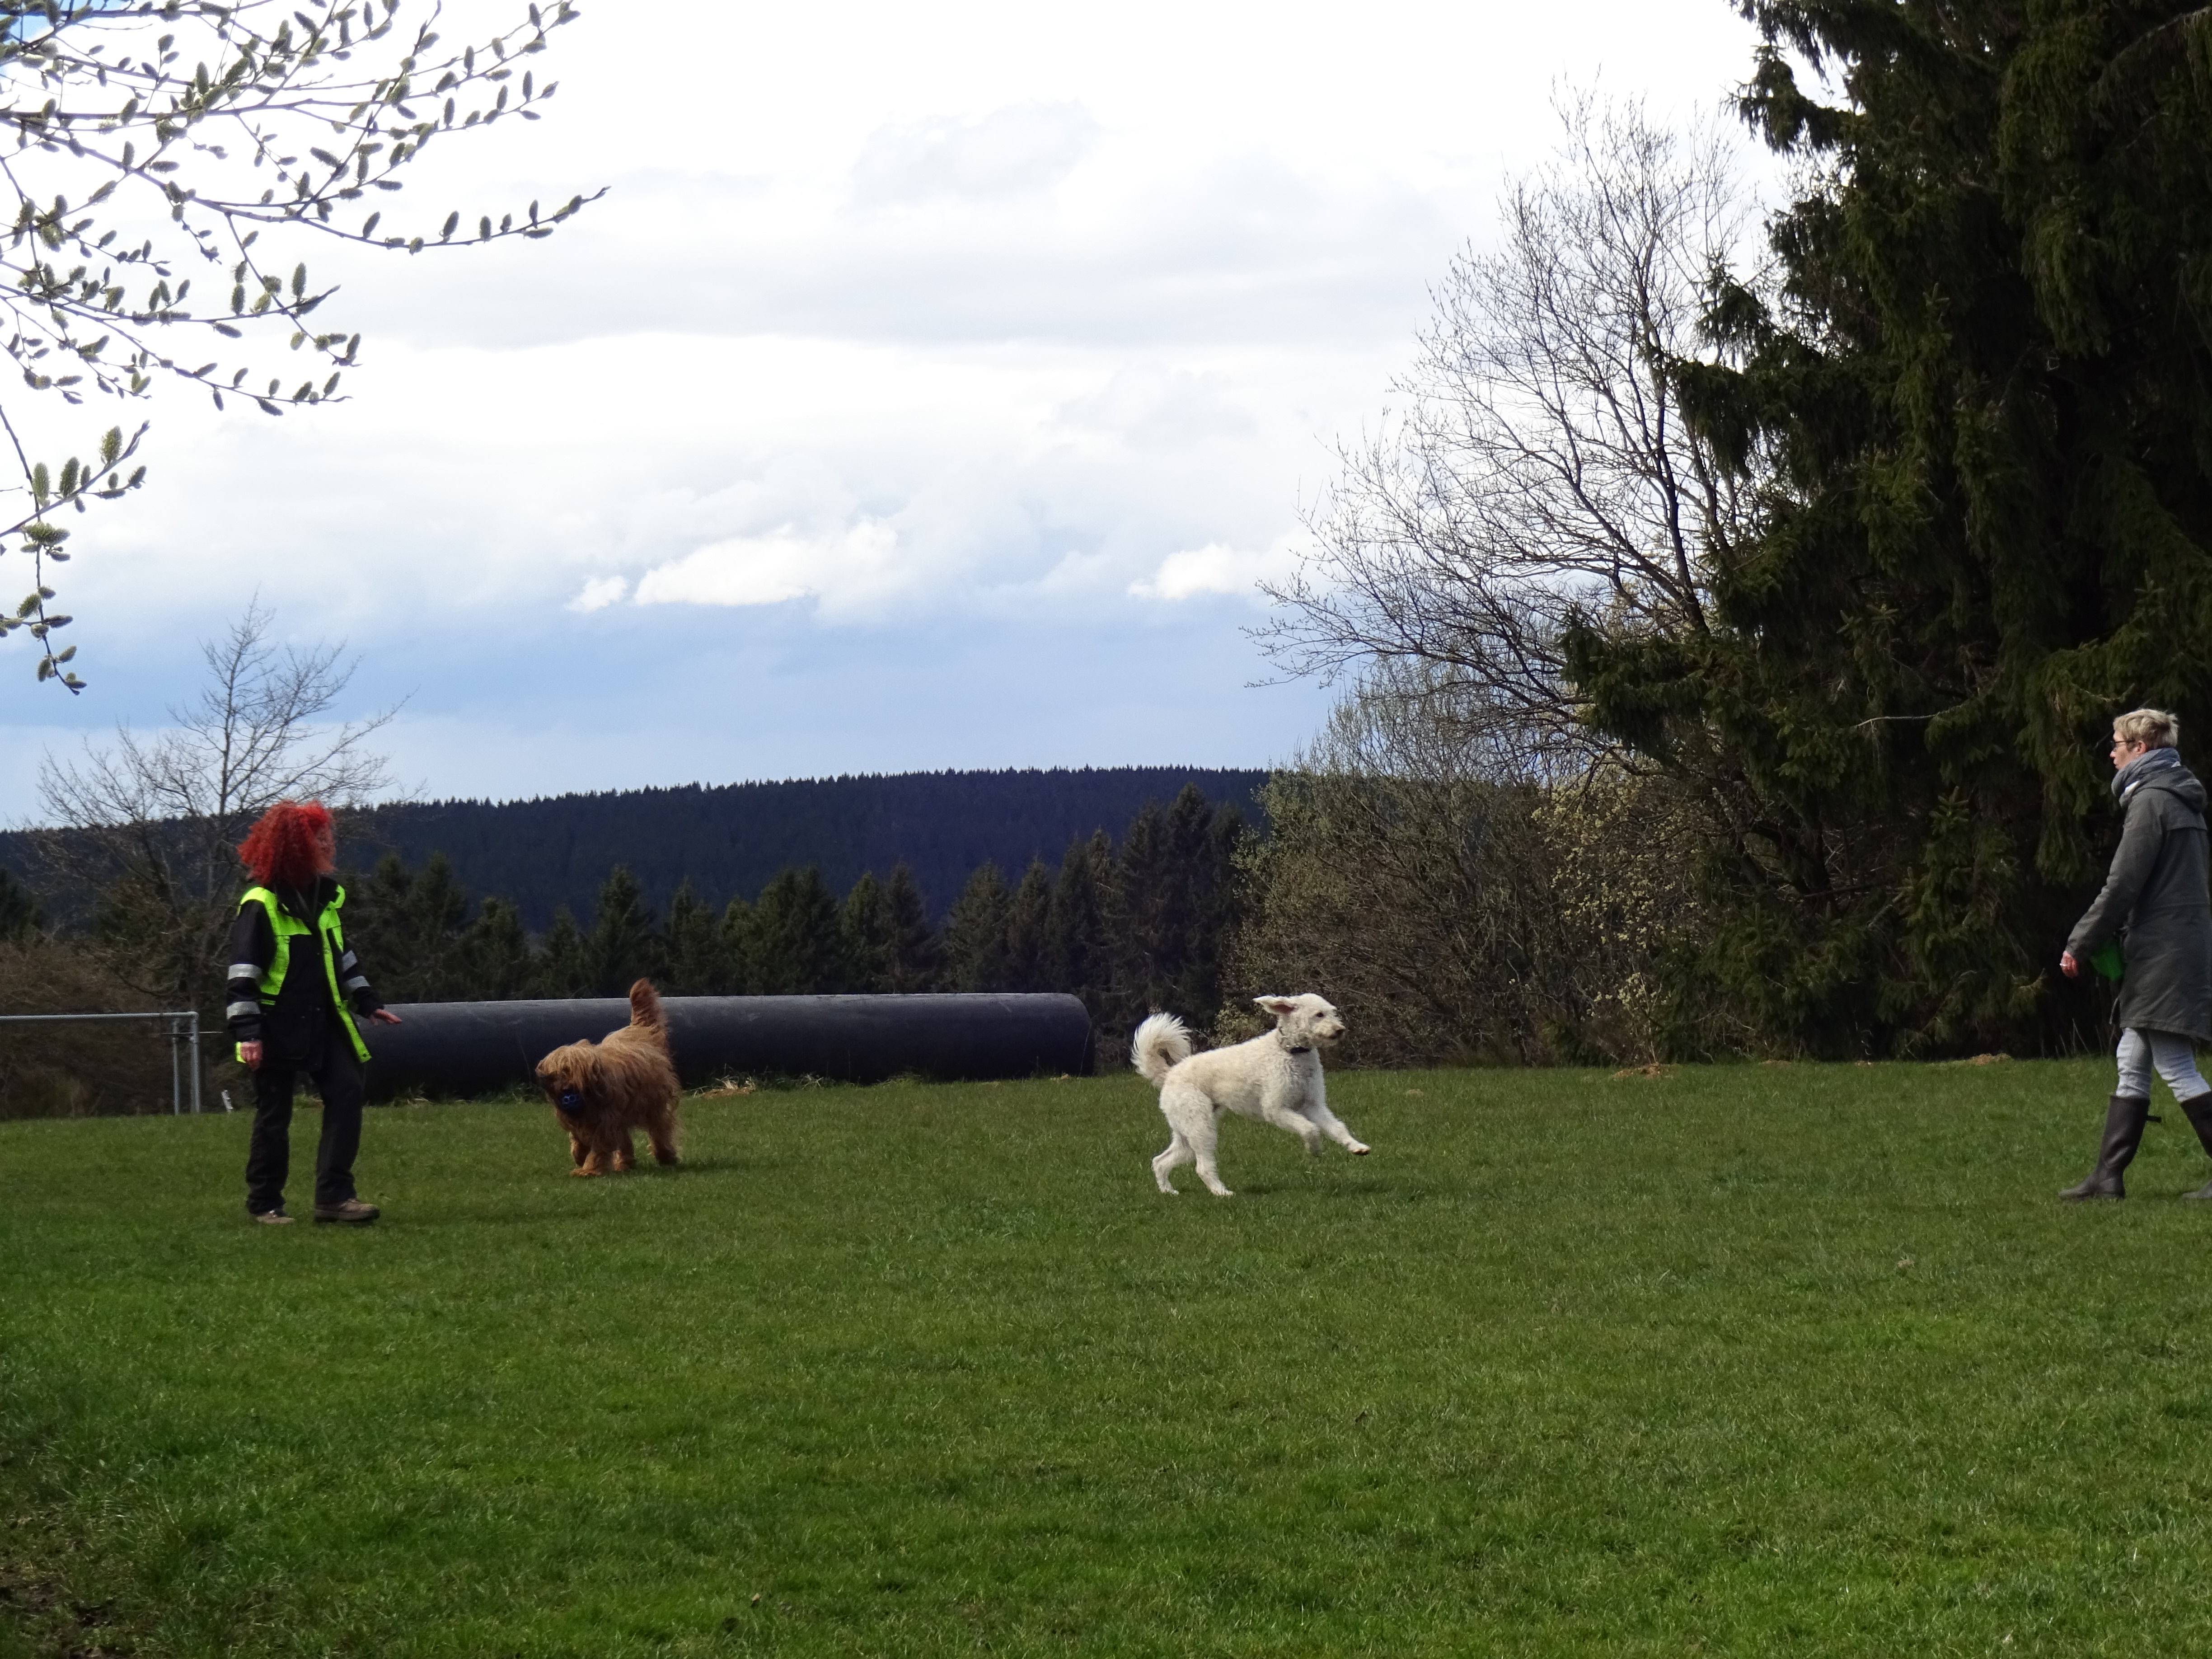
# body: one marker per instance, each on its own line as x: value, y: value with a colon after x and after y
x: 337, y: 1076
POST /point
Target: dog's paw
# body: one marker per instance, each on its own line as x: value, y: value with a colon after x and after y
x: 1357, y: 1150
x: 584, y: 1175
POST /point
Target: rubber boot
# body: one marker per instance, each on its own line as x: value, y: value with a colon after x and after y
x: 2125, y: 1118
x: 2200, y: 1118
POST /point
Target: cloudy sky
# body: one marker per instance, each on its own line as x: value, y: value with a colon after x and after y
x: 929, y: 389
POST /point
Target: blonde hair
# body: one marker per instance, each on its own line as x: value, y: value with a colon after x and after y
x: 2153, y: 728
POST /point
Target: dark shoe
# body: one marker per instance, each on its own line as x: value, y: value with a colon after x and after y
x: 351, y: 1213
x: 2200, y: 1119
x: 2124, y: 1117
x: 270, y: 1217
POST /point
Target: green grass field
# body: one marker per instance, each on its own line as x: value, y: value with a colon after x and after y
x: 1751, y: 1359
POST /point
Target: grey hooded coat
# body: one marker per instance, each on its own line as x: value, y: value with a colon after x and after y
x: 2155, y: 898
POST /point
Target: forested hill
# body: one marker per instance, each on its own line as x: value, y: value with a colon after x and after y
x: 732, y: 840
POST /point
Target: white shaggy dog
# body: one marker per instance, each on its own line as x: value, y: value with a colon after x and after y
x: 1275, y: 1078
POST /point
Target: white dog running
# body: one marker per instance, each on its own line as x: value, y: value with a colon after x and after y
x: 1275, y: 1078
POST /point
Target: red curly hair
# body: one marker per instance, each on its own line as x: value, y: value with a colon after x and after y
x: 287, y: 847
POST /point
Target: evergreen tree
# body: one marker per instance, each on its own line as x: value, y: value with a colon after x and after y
x: 1145, y: 954
x: 623, y: 946
x: 867, y: 924
x: 741, y: 954
x: 1029, y: 931
x: 495, y: 957
x: 697, y: 957
x: 408, y: 929
x: 976, y: 933
x: 799, y: 936
x: 20, y: 915
x: 1981, y: 401
x: 1078, y: 951
x: 1206, y: 840
x: 914, y: 956
x: 560, y: 968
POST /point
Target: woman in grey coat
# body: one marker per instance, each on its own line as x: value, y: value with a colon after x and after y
x: 2154, y: 901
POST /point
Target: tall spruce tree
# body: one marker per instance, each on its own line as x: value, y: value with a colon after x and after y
x: 1029, y: 931
x: 21, y: 915
x: 976, y: 933
x: 798, y: 936
x: 623, y: 945
x: 1076, y: 949
x: 1981, y: 398
x: 866, y: 923
x: 740, y: 949
x: 914, y: 956
x: 495, y: 957
x: 1177, y: 881
x: 409, y: 928
x: 695, y: 962
x: 560, y: 968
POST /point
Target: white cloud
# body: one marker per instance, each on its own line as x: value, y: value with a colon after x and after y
x: 1214, y: 568
x: 1019, y: 150
x: 842, y: 367
x: 845, y: 571
x: 599, y: 592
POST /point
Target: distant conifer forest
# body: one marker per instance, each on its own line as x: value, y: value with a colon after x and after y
x: 541, y: 855
x: 1129, y: 923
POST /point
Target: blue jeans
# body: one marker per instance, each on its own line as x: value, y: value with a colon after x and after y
x: 2175, y: 1057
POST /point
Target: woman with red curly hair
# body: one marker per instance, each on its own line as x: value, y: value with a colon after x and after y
x: 295, y: 992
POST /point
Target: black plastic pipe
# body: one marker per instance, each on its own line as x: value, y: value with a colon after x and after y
x: 459, y: 1048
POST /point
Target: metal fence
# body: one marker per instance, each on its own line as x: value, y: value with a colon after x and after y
x: 183, y: 1031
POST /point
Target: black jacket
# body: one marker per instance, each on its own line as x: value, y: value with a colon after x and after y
x: 2156, y: 898
x: 292, y: 1025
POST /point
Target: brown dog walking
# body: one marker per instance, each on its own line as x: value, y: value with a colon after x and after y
x: 601, y: 1092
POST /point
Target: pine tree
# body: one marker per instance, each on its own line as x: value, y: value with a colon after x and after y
x: 697, y: 961
x: 495, y: 962
x: 623, y: 946
x: 1981, y: 402
x: 867, y: 924
x: 407, y: 929
x: 1077, y: 954
x: 799, y: 936
x: 1177, y: 885
x: 1206, y: 840
x: 741, y: 955
x: 561, y: 968
x: 913, y: 956
x: 1029, y: 931
x: 976, y: 933
x: 1145, y: 945
x: 20, y: 915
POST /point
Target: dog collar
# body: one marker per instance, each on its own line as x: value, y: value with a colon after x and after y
x: 1297, y: 1051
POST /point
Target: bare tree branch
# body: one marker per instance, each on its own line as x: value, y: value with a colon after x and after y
x: 151, y: 822
x: 1540, y: 471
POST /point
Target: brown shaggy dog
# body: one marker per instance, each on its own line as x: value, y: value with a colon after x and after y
x: 602, y: 1091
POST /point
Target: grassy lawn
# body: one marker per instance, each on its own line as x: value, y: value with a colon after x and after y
x: 1751, y: 1359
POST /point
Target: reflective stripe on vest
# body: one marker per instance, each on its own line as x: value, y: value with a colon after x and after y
x: 330, y: 931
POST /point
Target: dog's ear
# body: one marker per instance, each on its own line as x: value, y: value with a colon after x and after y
x: 1278, y: 1005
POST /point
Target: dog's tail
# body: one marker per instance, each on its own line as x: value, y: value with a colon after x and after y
x: 644, y: 1010
x: 1160, y: 1041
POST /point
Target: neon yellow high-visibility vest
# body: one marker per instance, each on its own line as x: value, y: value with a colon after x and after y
x: 328, y: 929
